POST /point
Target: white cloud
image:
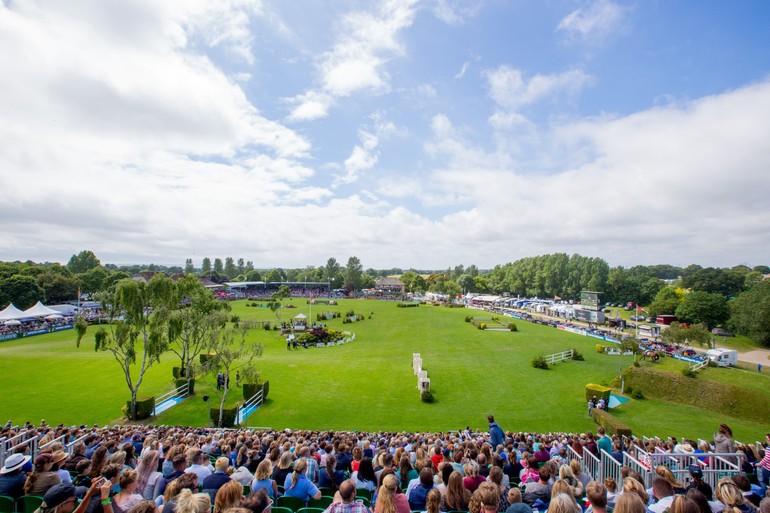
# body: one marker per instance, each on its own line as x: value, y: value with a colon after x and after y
x: 463, y: 69
x: 454, y: 12
x: 509, y: 88
x: 357, y: 60
x: 593, y: 22
x: 309, y: 106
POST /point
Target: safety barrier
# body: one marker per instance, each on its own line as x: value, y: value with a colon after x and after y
x: 249, y: 407
x: 170, y: 399
x: 559, y: 357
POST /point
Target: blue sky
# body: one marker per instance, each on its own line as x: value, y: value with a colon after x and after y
x: 408, y: 133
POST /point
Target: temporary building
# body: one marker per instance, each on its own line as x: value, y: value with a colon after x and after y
x: 39, y: 310
x: 11, y: 312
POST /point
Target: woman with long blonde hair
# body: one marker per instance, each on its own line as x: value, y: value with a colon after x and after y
x: 629, y: 503
x: 631, y: 485
x: 189, y: 502
x: 298, y: 485
x: 147, y: 474
x: 389, y: 500
x: 263, y: 479
x: 728, y: 493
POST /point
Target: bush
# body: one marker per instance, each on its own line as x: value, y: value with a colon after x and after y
x: 689, y: 373
x: 266, y: 326
x: 637, y: 394
x: 228, y: 416
x: 512, y: 326
x: 183, y: 381
x: 483, y: 326
x: 468, y: 318
x: 601, y: 392
x: 577, y: 355
x: 599, y: 348
x: 265, y: 390
x: 610, y: 423
x: 144, y: 407
x: 539, y: 362
x: 235, y: 319
x: 426, y: 396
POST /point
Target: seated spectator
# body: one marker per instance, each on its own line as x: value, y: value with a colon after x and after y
x: 364, y: 477
x: 632, y: 485
x: 179, y: 465
x: 612, y: 491
x: 127, y: 498
x: 229, y: 495
x: 258, y: 502
x: 12, y: 477
x: 346, y: 502
x: 742, y: 482
x: 577, y: 471
x: 78, y: 455
x: 530, y: 473
x: 457, y: 497
x: 147, y: 474
x: 516, y: 503
x: 42, y: 478
x: 83, y: 469
x: 728, y: 493
x: 198, y: 467
x: 596, y: 495
x: 576, y: 487
x: 283, y: 469
x: 629, y: 503
x: 218, y: 479
x: 189, y: 502
x: 418, y: 496
x: 406, y: 472
x: 664, y: 494
x: 61, y: 499
x: 666, y: 474
x: 496, y: 478
x: 433, y: 501
x: 698, y: 498
x: 697, y: 482
x: 330, y: 477
x: 264, y: 481
x: 472, y: 478
x: 187, y: 481
x: 541, y: 487
x: 389, y: 498
x: 298, y: 485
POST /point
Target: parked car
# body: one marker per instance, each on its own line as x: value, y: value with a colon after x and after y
x: 721, y: 332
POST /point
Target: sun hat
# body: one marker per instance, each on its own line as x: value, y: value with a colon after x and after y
x: 57, y: 494
x: 14, y: 462
x: 58, y: 457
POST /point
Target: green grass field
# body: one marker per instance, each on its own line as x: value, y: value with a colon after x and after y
x: 367, y: 384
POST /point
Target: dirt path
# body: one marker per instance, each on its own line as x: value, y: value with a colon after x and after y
x: 756, y: 356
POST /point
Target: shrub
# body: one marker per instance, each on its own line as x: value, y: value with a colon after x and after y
x: 577, y: 355
x: 235, y: 319
x: 144, y: 407
x: 610, y: 423
x: 689, y: 373
x: 512, y: 326
x: 601, y: 392
x: 183, y: 381
x: 599, y: 348
x: 468, y: 318
x: 265, y: 390
x: 228, y: 415
x: 483, y: 326
x: 539, y: 362
x: 266, y: 326
x: 637, y: 394
x: 426, y: 396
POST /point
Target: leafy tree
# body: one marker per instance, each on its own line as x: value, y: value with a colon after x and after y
x: 751, y: 312
x: 232, y: 355
x: 666, y: 301
x: 21, y: 290
x: 761, y: 269
x: 274, y: 276
x: 466, y: 283
x: 230, y: 269
x: 727, y: 282
x: 704, y: 308
x: 367, y: 281
x: 83, y: 261
x: 249, y: 265
x: 241, y: 266
x: 206, y: 266
x: 57, y: 287
x: 408, y: 278
x: 195, y: 326
x: 138, y: 325
x: 111, y: 281
x: 678, y: 334
x: 331, y: 269
x: 93, y: 280
x: 219, y: 268
x: 189, y: 268
x: 253, y: 275
x: 353, y: 272
x: 275, y: 300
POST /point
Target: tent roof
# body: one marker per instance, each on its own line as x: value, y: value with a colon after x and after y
x: 39, y: 310
x: 300, y: 316
x: 11, y: 312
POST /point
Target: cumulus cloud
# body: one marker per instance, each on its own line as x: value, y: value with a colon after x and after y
x: 593, y: 22
x: 357, y: 59
x: 509, y: 88
x: 454, y: 12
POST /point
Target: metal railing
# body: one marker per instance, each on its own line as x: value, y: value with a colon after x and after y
x: 254, y: 400
x: 19, y: 443
x: 592, y: 465
x: 610, y: 467
x: 180, y: 391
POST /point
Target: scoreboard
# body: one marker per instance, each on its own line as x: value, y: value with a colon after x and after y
x: 589, y: 300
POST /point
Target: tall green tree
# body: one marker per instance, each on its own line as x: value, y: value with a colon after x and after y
x: 196, y: 325
x: 331, y: 269
x: 353, y: 272
x: 189, y: 267
x: 230, y: 270
x: 218, y: 266
x: 666, y: 301
x: 241, y: 266
x: 83, y: 261
x: 703, y: 308
x: 93, y: 280
x: 232, y: 354
x: 58, y: 287
x: 274, y: 276
x: 138, y: 315
x: 276, y: 298
x: 751, y: 312
x: 206, y: 266
x: 21, y: 290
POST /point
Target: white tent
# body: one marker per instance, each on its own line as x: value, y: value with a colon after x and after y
x: 39, y: 310
x: 12, y: 322
x: 300, y: 316
x: 11, y: 312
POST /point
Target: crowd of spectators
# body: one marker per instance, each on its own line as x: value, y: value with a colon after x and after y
x: 27, y: 326
x: 140, y: 469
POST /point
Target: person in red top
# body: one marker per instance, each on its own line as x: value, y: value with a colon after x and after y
x: 472, y: 478
x: 763, y: 467
x: 438, y: 457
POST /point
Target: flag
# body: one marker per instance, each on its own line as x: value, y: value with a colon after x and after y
x: 638, y: 308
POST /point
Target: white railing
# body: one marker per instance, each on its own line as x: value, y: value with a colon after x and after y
x: 610, y: 467
x: 28, y: 437
x: 254, y: 400
x: 591, y: 464
x: 61, y: 439
x: 559, y: 357
x: 70, y: 447
x: 180, y: 391
x: 698, y: 366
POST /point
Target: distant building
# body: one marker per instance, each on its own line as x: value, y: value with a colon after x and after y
x: 145, y: 276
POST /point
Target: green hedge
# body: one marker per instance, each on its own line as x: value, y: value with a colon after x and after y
x: 718, y: 397
x: 228, y: 416
x: 144, y: 407
x: 179, y: 382
x: 178, y: 372
x: 249, y: 389
x: 610, y: 423
x: 407, y: 305
x: 599, y: 391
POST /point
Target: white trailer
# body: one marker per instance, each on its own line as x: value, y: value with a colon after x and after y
x: 723, y: 357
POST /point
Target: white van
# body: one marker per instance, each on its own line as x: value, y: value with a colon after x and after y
x: 723, y: 357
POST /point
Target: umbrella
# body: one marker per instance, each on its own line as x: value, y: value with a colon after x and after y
x: 54, y: 317
x: 12, y: 322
